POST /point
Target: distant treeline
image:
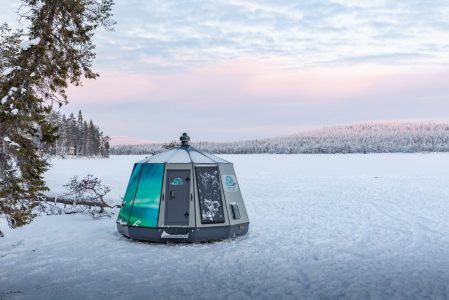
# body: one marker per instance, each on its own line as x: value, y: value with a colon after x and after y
x: 359, y: 138
x: 77, y: 137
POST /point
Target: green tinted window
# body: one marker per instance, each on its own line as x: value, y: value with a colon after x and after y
x: 128, y: 200
x: 145, y: 210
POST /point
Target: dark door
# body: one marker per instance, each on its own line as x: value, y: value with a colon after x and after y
x: 177, y: 197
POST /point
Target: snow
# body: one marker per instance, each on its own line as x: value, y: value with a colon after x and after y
x: 322, y: 227
x: 15, y: 111
x: 7, y: 71
x: 12, y: 90
x: 7, y: 139
x: 4, y: 99
x: 166, y: 235
x: 25, y: 45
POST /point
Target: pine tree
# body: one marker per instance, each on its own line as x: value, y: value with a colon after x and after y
x: 54, y: 118
x: 90, y: 138
x: 85, y: 137
x: 106, y: 146
x: 79, y: 137
x: 35, y: 74
x: 71, y: 133
x: 62, y: 133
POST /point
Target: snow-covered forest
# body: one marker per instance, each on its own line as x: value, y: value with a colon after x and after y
x: 359, y: 138
x: 78, y: 137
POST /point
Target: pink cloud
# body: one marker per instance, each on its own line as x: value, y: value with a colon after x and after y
x: 113, y: 87
x: 252, y: 81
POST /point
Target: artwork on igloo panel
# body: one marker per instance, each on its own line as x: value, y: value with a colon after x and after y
x: 209, y: 192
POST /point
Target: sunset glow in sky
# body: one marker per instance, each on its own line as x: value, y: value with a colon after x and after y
x: 238, y: 69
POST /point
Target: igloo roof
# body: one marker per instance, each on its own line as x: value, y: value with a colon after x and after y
x: 185, y: 154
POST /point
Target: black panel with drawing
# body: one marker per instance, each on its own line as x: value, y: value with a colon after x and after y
x: 209, y: 192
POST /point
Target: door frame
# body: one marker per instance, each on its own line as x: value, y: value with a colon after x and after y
x: 162, y: 206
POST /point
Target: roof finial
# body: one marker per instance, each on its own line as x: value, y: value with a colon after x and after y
x: 184, y: 139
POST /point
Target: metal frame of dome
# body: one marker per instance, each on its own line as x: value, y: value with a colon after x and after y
x: 183, y: 195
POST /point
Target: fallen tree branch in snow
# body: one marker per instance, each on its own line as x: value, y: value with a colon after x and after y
x: 85, y: 202
x: 67, y: 206
x: 88, y: 189
x: 84, y: 195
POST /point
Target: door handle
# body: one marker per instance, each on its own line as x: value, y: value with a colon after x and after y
x: 186, y: 214
x: 172, y: 195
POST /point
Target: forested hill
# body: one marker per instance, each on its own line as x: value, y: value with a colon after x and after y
x: 359, y: 138
x: 77, y: 137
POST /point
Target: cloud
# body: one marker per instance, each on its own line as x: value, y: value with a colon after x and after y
x: 231, y: 69
x: 169, y: 36
x: 176, y: 35
x: 246, y: 98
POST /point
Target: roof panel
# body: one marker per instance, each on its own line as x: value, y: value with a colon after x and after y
x: 184, y: 155
x: 181, y: 157
x: 200, y: 158
x: 161, y: 157
x: 216, y: 158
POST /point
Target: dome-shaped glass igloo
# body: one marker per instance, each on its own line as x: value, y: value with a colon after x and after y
x: 183, y: 194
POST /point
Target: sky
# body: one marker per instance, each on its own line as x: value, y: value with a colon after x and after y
x: 241, y: 69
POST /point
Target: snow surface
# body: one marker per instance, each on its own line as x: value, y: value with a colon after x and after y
x: 322, y: 227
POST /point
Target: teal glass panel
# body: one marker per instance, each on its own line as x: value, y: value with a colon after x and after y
x: 128, y: 200
x: 145, y: 210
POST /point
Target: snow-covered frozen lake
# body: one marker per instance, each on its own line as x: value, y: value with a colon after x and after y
x: 322, y: 227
